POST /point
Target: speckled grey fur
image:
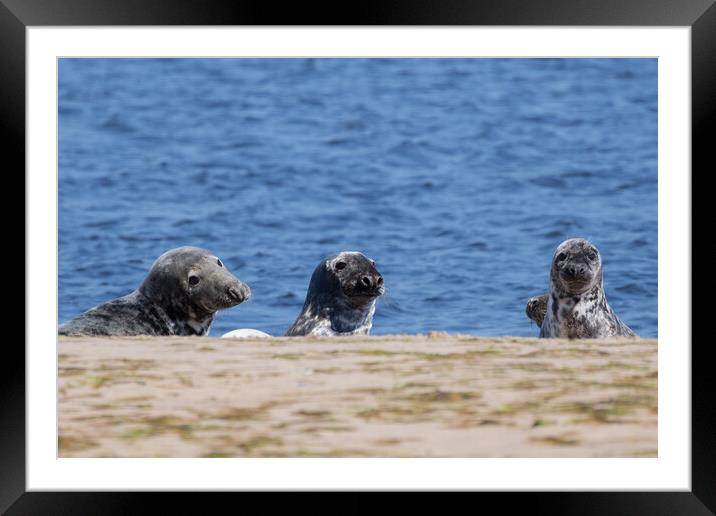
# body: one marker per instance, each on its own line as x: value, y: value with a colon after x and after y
x: 536, y: 308
x: 180, y: 296
x: 576, y: 306
x: 341, y: 297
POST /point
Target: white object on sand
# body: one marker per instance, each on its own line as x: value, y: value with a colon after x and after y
x: 244, y: 334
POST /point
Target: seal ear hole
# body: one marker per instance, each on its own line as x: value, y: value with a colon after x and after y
x: 193, y: 280
x: 218, y: 262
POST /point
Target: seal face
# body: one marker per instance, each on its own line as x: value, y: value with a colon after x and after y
x: 341, y: 297
x: 576, y: 306
x: 181, y: 294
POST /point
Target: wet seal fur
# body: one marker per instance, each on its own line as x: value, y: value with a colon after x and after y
x: 576, y: 306
x: 341, y: 297
x: 181, y: 294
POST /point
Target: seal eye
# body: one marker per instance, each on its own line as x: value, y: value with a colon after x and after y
x: 340, y: 266
x: 193, y: 280
x: 561, y: 257
x: 592, y: 255
x: 218, y: 262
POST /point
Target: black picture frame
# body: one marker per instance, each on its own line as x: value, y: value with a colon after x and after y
x: 700, y: 15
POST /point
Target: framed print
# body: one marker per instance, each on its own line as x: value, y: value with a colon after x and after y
x: 405, y: 226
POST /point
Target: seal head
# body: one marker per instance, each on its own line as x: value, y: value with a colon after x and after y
x: 576, y: 268
x: 576, y: 306
x: 181, y: 294
x: 192, y: 284
x: 341, y: 297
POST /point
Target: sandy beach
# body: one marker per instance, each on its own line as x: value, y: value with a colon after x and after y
x: 437, y: 395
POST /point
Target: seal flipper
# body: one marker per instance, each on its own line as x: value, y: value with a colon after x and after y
x: 537, y: 308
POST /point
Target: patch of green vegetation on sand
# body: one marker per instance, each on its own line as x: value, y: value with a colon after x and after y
x: 336, y: 452
x: 127, y: 364
x: 241, y: 413
x: 441, y: 396
x: 262, y: 441
x: 319, y: 414
x: 611, y: 410
x: 556, y: 440
x: 72, y: 444
x: 152, y: 426
x: 71, y: 371
x: 288, y: 356
x: 326, y: 428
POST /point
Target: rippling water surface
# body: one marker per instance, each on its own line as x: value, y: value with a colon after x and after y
x: 458, y: 176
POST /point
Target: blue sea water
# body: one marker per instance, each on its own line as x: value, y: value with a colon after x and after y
x: 458, y: 176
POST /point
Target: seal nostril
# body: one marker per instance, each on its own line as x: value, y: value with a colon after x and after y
x: 236, y: 294
x: 380, y: 280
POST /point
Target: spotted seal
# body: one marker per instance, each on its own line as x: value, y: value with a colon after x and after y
x: 181, y: 294
x: 576, y: 306
x: 341, y: 297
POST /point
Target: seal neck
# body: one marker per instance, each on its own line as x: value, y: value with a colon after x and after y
x: 343, y: 316
x: 186, y: 317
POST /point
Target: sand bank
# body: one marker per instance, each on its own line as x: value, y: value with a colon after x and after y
x: 397, y: 396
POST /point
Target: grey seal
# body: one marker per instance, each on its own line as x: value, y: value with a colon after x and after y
x: 341, y: 297
x: 576, y: 306
x: 181, y: 294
